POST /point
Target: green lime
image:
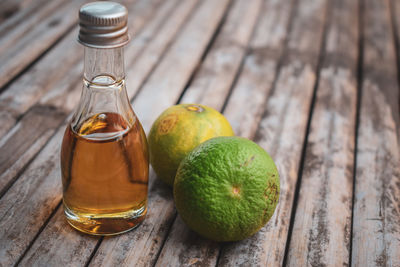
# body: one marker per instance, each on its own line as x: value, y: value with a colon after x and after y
x: 177, y: 131
x: 227, y: 188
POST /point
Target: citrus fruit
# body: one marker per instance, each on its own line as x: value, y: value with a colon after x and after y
x: 177, y: 131
x: 227, y: 188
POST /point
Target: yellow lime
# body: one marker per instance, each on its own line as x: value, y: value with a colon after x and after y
x: 177, y: 131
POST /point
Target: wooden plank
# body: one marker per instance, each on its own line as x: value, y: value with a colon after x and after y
x: 24, y: 140
x: 194, y: 38
x: 70, y: 250
x: 29, y: 202
x: 9, y: 8
x: 141, y: 247
x: 58, y: 101
x: 162, y: 36
x: 10, y: 37
x: 282, y: 132
x: 259, y: 69
x: 140, y: 67
x: 37, y: 41
x: 213, y: 81
x: 16, y: 241
x: 36, y: 84
x: 376, y: 229
x: 322, y: 223
x: 395, y: 17
x: 184, y: 247
x: 12, y: 19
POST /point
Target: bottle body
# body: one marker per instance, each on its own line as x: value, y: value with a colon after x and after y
x: 104, y: 156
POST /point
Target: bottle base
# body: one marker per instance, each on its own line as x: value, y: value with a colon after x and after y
x: 105, y: 224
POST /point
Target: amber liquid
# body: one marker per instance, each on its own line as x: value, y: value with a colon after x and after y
x: 104, y: 165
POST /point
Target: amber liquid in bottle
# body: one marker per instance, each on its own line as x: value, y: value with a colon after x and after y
x: 105, y: 174
x: 104, y: 156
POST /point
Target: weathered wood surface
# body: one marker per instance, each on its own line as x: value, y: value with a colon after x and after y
x: 282, y: 131
x: 259, y: 63
x: 81, y: 254
x: 184, y: 247
x: 376, y: 228
x: 122, y: 250
x: 13, y: 30
x: 175, y: 69
x: 210, y: 87
x: 11, y: 9
x: 59, y: 101
x: 29, y: 202
x: 34, y: 42
x: 179, y: 14
x: 213, y: 81
x: 35, y: 196
x: 324, y: 206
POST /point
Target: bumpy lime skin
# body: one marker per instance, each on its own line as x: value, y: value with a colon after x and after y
x: 227, y: 188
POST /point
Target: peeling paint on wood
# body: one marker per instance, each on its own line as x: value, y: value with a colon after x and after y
x: 281, y: 133
x: 321, y: 231
x: 376, y: 228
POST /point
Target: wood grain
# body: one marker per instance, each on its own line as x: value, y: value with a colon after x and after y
x: 176, y: 67
x: 249, y: 95
x: 215, y: 77
x: 14, y: 29
x: 376, y: 229
x: 324, y: 207
x: 153, y: 49
x: 37, y: 41
x: 262, y: 80
x: 24, y: 140
x: 42, y: 241
x: 77, y: 247
x: 395, y: 19
x: 282, y: 132
x: 55, y: 104
x: 36, y: 199
x: 36, y: 84
x: 59, y: 246
x: 141, y: 247
x: 30, y: 201
x: 184, y: 247
x: 13, y: 8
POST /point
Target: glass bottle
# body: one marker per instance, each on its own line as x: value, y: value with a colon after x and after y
x: 104, y: 157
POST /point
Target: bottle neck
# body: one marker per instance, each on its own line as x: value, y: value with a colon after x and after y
x: 102, y: 63
x: 103, y: 94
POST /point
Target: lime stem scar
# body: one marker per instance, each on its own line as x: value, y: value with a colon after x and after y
x: 236, y: 190
x: 195, y: 108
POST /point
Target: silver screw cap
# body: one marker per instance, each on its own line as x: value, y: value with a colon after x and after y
x: 103, y: 25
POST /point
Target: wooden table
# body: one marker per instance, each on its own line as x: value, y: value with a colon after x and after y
x: 314, y: 82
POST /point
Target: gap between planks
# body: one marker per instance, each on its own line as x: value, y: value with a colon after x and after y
x: 395, y: 21
x: 53, y: 138
x: 214, y: 79
x: 243, y: 82
x: 376, y: 232
x: 157, y: 190
x: 326, y: 189
x: 297, y: 74
x: 359, y: 96
x: 35, y: 43
x: 60, y: 100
